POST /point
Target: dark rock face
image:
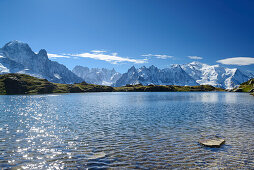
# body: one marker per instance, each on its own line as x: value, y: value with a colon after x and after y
x: 74, y: 89
x: 251, y: 82
x: 48, y: 88
x: 159, y: 88
x: 251, y: 91
x: 238, y: 90
x: 24, y: 84
x: 14, y: 86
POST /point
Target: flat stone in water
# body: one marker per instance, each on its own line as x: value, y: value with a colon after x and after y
x: 97, y: 155
x: 214, y: 143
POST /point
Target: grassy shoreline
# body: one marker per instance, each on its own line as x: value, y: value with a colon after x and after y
x: 247, y: 87
x: 14, y: 83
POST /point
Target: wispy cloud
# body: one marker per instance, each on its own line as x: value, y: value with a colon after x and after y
x: 98, y: 51
x: 195, y: 57
x: 112, y: 58
x: 241, y: 61
x: 58, y: 56
x: 157, y: 56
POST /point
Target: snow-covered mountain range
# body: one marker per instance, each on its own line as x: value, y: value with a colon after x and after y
x: 194, y: 73
x: 216, y: 75
x: 18, y: 57
x: 97, y: 76
x: 174, y: 75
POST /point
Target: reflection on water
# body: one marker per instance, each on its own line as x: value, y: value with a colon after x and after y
x: 126, y: 130
x: 209, y: 97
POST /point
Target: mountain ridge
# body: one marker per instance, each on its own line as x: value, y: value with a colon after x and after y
x: 18, y: 57
x: 101, y: 76
x: 153, y: 75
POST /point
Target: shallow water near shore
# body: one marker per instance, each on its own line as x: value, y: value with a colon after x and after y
x: 150, y: 130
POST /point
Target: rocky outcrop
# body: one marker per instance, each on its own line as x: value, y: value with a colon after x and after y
x: 15, y: 86
x: 251, y: 91
x: 24, y: 84
x: 247, y: 87
x: 238, y: 90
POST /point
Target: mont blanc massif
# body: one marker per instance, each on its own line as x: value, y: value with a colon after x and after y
x: 18, y: 57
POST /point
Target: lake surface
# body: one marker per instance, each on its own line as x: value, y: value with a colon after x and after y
x: 157, y: 130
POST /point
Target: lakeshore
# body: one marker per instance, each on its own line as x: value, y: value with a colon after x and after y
x: 14, y: 83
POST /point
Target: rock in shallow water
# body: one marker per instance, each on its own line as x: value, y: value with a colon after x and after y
x: 97, y: 155
x: 214, y: 143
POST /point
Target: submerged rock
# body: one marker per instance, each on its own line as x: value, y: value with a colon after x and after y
x: 214, y: 142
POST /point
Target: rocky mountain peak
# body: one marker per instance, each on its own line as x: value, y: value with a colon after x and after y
x: 132, y: 69
x: 17, y: 46
x: 42, y: 52
x: 101, y: 76
x: 18, y: 57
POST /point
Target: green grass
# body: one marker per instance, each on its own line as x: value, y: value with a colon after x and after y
x: 14, y: 83
x: 25, y: 84
x: 247, y: 86
x: 169, y: 88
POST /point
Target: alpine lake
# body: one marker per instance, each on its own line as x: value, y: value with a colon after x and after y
x: 126, y: 130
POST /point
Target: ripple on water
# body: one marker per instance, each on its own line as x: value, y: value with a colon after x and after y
x: 126, y: 130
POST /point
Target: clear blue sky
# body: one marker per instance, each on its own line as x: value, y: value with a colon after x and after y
x: 133, y: 32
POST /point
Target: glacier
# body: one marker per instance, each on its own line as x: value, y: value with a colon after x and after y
x: 174, y: 75
x: 216, y: 75
x: 97, y: 76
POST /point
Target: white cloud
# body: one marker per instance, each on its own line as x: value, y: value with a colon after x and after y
x: 58, y: 56
x: 157, y: 56
x: 112, y: 58
x: 241, y: 61
x: 100, y: 55
x: 98, y: 51
x: 195, y: 57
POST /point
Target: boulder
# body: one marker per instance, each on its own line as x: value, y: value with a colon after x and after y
x: 213, y: 143
x: 97, y: 155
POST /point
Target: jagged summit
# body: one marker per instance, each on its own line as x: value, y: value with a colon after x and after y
x: 15, y: 43
x: 97, y: 76
x: 42, y: 52
x: 18, y: 57
x: 156, y: 76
